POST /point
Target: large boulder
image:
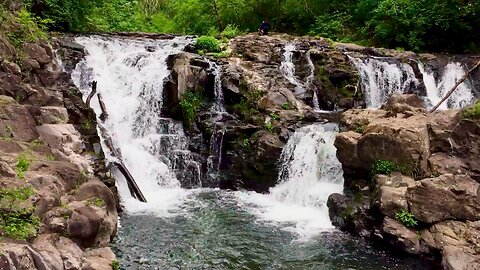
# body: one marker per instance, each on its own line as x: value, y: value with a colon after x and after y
x: 458, y: 241
x: 400, y: 236
x: 445, y: 197
x: 392, y: 193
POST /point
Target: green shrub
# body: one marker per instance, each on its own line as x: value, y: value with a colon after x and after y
x: 97, y: 201
x: 24, y: 27
x: 190, y: 104
x: 360, y: 129
x: 36, y: 143
x: 286, y: 106
x: 406, y: 218
x: 274, y: 116
x: 269, y: 126
x: 207, y: 44
x: 472, y: 112
x: 386, y: 167
x: 23, y: 163
x: 115, y: 265
x: 16, y: 222
x: 230, y: 31
x: 222, y: 54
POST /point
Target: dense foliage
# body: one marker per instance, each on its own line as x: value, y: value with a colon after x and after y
x: 472, y: 112
x: 421, y: 25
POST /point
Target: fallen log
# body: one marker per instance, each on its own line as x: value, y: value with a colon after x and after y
x: 132, y: 185
x: 90, y: 96
x: 455, y: 87
x: 104, y: 114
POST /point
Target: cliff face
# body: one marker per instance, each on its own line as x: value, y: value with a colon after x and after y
x: 57, y: 210
x: 272, y: 85
x: 412, y: 180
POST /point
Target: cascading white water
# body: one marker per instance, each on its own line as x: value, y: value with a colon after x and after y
x: 130, y: 79
x: 452, y: 73
x: 287, y: 68
x: 310, y: 79
x: 309, y: 173
x: 310, y: 170
x: 381, y: 77
x: 218, y: 105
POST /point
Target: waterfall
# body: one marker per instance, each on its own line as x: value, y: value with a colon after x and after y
x: 310, y: 79
x: 130, y: 79
x: 310, y: 170
x: 381, y: 77
x: 287, y: 68
x: 215, y: 158
x: 435, y: 92
x: 218, y: 105
x: 309, y: 173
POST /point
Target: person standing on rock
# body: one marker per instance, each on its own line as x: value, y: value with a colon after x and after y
x: 264, y: 27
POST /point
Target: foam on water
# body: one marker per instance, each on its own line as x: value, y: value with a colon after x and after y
x: 310, y: 172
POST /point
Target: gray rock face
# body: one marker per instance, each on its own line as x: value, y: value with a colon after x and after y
x: 445, y: 197
x: 36, y: 103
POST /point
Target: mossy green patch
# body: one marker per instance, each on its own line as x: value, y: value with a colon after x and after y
x: 472, y: 112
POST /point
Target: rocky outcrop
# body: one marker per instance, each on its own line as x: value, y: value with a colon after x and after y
x: 63, y: 214
x: 424, y: 199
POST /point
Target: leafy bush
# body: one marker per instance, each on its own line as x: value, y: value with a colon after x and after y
x: 207, y: 44
x: 286, y: 106
x: 222, y: 54
x: 97, y: 201
x: 472, y: 112
x: 406, y: 218
x: 360, y: 129
x: 274, y: 116
x: 23, y: 27
x: 16, y: 222
x: 115, y: 265
x: 230, y: 31
x: 190, y: 104
x: 269, y: 126
x: 386, y: 167
x: 23, y: 163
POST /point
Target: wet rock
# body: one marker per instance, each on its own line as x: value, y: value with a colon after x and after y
x: 99, y: 259
x: 351, y: 215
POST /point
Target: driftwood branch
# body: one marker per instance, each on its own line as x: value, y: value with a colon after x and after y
x: 455, y: 87
x: 132, y: 185
x: 94, y: 91
x: 104, y: 114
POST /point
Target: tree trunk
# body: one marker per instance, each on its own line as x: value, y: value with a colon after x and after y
x: 217, y: 15
x: 455, y: 86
